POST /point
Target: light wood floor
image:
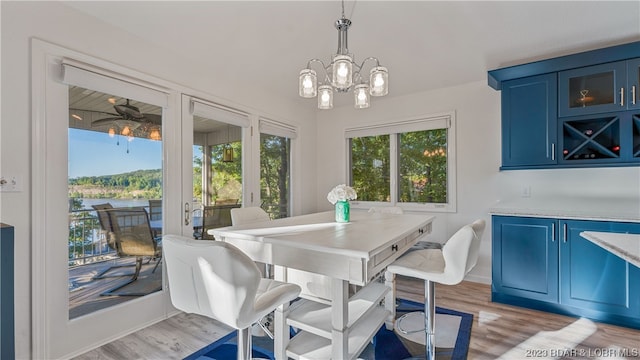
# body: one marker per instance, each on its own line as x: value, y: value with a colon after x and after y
x: 498, y: 332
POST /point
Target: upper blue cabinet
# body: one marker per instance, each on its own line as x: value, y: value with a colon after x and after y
x: 633, y: 78
x: 592, y: 89
x: 599, y: 88
x: 579, y: 110
x: 529, y: 131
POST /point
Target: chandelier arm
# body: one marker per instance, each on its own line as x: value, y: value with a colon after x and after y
x: 324, y: 68
x: 367, y: 59
x: 314, y: 61
x: 357, y: 78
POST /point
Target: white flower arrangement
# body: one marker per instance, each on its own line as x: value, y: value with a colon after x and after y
x: 341, y: 193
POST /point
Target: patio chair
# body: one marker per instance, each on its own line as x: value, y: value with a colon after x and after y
x: 155, y: 213
x: 132, y: 236
x: 214, y: 217
x: 105, y: 224
x: 155, y: 209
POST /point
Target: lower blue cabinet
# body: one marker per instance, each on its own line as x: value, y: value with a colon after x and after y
x: 545, y: 264
x: 525, y: 257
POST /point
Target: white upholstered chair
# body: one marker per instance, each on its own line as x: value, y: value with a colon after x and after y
x: 448, y: 266
x: 248, y: 215
x: 217, y: 280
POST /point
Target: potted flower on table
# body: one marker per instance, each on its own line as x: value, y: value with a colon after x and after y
x: 340, y: 196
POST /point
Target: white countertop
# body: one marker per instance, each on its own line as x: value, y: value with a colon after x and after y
x: 583, y: 208
x: 626, y: 246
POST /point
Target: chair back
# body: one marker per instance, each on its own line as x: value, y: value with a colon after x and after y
x: 155, y: 209
x: 132, y: 232
x: 211, y: 278
x: 215, y: 216
x: 456, y: 254
x: 478, y: 229
x: 103, y: 216
x: 248, y: 215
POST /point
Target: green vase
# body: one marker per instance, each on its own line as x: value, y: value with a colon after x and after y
x: 342, y: 211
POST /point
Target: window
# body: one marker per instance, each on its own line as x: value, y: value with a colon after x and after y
x: 370, y: 167
x: 409, y: 164
x: 275, y: 167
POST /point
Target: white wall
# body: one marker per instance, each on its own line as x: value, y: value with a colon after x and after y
x: 480, y: 183
x: 61, y: 25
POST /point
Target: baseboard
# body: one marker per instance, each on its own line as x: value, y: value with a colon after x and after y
x: 478, y: 279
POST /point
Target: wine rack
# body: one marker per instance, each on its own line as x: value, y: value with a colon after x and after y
x: 592, y: 139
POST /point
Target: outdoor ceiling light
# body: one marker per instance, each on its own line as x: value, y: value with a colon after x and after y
x: 343, y: 74
x: 227, y: 150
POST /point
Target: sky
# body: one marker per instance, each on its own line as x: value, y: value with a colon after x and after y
x: 93, y: 153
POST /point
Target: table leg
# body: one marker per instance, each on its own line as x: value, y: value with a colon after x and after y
x: 281, y: 330
x: 339, y: 319
x: 390, y: 299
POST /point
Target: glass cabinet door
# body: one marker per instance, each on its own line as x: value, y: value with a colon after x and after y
x: 592, y: 89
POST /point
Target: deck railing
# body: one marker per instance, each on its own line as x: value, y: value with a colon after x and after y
x: 87, y: 240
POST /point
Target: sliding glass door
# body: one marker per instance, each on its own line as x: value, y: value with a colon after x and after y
x: 98, y: 140
x: 214, y: 138
x: 114, y: 162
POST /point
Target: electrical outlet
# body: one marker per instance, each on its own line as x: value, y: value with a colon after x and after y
x: 10, y: 183
x: 526, y: 191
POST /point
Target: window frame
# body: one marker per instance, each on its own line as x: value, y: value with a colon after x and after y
x: 394, y: 129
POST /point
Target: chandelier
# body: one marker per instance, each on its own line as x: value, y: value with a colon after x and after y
x: 343, y: 75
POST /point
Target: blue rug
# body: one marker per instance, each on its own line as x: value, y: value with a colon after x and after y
x: 385, y: 344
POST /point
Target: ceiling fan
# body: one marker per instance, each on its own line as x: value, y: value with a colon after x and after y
x: 130, y: 121
x: 130, y: 113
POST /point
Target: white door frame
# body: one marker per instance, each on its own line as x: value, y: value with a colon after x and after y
x: 53, y: 334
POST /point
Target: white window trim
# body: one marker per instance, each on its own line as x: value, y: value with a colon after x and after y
x: 426, y: 122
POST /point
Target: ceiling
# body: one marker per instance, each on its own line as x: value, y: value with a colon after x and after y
x: 425, y: 44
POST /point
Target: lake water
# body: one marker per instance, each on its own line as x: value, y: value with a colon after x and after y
x: 117, y: 203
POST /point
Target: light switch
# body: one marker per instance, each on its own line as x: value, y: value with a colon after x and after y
x: 11, y: 183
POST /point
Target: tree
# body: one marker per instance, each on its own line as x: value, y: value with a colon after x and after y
x: 275, y: 176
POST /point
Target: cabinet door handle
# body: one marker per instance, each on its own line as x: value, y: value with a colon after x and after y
x: 564, y: 231
x: 622, y: 96
x: 553, y: 151
x: 633, y: 95
x: 553, y: 232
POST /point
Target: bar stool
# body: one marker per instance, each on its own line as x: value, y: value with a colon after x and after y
x: 446, y: 266
x: 217, y: 280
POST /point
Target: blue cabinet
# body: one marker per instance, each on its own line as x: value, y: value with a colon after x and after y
x: 545, y: 264
x: 593, y: 278
x: 529, y: 131
x: 572, y: 111
x: 592, y: 89
x: 7, y: 337
x: 633, y: 79
x: 525, y: 257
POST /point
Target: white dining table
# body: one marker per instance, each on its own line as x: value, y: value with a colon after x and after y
x: 353, y: 253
